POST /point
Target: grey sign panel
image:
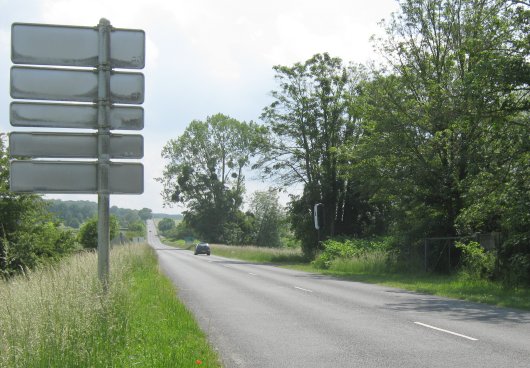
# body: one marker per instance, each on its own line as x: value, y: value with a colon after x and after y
x: 50, y: 115
x: 44, y: 44
x: 74, y: 85
x: 73, y: 145
x: 73, y: 177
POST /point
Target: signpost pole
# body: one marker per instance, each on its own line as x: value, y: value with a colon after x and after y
x: 104, y: 69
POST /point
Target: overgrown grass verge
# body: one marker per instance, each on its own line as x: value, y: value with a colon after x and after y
x: 59, y: 317
x: 456, y: 286
x: 258, y: 254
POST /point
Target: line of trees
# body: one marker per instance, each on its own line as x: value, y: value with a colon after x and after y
x: 74, y: 213
x: 206, y: 172
x: 432, y: 142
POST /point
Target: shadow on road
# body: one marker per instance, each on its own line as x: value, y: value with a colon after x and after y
x: 411, y: 301
x: 458, y: 309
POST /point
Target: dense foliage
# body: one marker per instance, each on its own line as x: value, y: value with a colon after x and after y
x: 206, y: 173
x: 447, y: 131
x: 166, y: 224
x: 351, y: 248
x: 315, y: 113
x: 432, y: 142
x: 88, y: 233
x: 268, y: 219
x: 29, y: 235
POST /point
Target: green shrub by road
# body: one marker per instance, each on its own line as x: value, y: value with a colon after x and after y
x: 59, y: 317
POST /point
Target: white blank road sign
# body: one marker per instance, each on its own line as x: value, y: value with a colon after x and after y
x: 76, y: 116
x: 44, y: 44
x: 73, y: 145
x: 74, y: 177
x: 74, y: 85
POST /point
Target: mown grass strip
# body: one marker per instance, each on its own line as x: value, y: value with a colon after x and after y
x: 59, y: 317
x: 162, y: 332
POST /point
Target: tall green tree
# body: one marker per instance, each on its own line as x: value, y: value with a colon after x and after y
x: 430, y: 113
x: 265, y: 207
x: 145, y: 214
x: 205, y: 172
x: 313, y: 114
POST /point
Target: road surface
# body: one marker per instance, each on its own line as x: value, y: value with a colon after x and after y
x: 264, y: 316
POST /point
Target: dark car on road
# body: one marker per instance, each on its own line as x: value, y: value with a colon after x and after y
x: 202, y: 248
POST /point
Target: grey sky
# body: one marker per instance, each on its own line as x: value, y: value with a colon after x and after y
x: 205, y: 57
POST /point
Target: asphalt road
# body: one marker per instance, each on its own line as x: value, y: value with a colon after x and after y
x: 264, y: 316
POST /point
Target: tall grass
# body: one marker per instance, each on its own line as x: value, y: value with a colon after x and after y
x: 373, y: 262
x: 259, y: 254
x: 60, y: 317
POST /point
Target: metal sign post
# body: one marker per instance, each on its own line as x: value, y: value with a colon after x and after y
x: 103, y: 152
x: 93, y: 52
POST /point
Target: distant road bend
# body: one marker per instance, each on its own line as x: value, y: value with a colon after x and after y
x: 264, y: 316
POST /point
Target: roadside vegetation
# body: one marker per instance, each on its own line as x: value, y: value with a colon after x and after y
x: 375, y: 262
x: 433, y: 143
x: 378, y: 262
x: 430, y: 142
x: 59, y: 317
x: 259, y: 254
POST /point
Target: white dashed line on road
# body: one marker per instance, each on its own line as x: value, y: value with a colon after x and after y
x: 446, y: 331
x: 299, y: 288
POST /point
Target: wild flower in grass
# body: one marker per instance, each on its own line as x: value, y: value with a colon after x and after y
x: 198, y: 361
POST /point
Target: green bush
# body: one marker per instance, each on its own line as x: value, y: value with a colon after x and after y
x: 476, y: 262
x: 519, y: 270
x: 514, y: 260
x: 166, y: 224
x: 182, y: 231
x: 350, y: 248
x: 44, y: 244
x: 289, y: 241
x: 136, y: 229
x: 88, y: 234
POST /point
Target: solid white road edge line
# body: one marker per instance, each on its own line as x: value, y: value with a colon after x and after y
x: 446, y: 331
x: 299, y: 288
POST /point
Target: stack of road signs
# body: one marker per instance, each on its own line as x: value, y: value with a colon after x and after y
x: 63, y: 63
